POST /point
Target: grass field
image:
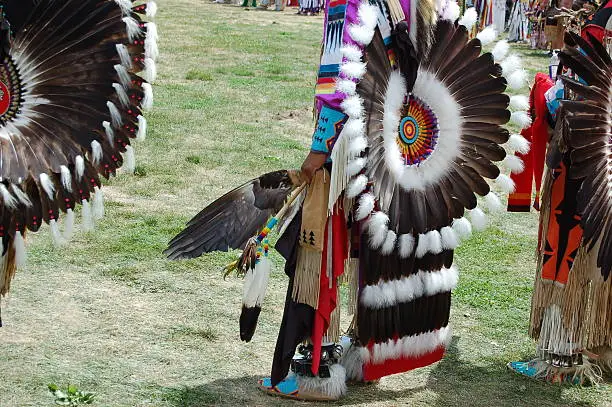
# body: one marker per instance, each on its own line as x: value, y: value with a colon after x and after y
x: 109, y: 314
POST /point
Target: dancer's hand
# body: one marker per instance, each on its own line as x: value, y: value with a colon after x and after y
x: 313, y: 162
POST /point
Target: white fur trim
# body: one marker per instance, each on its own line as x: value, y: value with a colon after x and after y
x: 20, y: 251
x: 353, y: 70
x: 469, y: 18
x: 142, y: 128
x: 66, y: 177
x: 333, y: 386
x: 487, y: 35
x: 358, y: 145
x: 435, y: 242
x: 96, y: 153
x: 492, y: 202
x: 450, y: 240
x: 389, y: 244
x: 435, y: 94
x: 463, y: 227
x: 406, y: 245
x: 514, y: 163
x: 79, y: 166
x: 518, y: 143
x: 360, y: 34
x: 353, y: 106
x: 386, y: 294
x: 22, y: 196
x: 500, y: 50
x: 346, y: 86
x: 47, y: 185
x: 451, y: 12
x: 505, y: 183
x: 352, y: 361
x: 366, y: 206
x: 479, y: 219
x: 356, y: 186
x: 521, y: 119
x: 422, y: 245
x: 352, y: 53
x: 8, y: 199
x: 368, y: 15
x: 409, y: 346
x: 355, y: 166
x: 377, y: 229
x: 519, y: 102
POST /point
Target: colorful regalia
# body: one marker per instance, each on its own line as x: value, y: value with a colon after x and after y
x: 571, y: 315
x: 411, y: 115
x: 74, y: 82
x: 518, y: 26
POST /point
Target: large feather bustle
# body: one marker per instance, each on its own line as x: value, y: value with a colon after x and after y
x: 230, y: 221
x: 588, y: 120
x: 73, y: 93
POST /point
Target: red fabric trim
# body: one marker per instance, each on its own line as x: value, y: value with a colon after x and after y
x: 388, y: 367
x: 328, y: 297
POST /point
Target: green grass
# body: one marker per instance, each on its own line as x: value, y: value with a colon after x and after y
x: 110, y: 315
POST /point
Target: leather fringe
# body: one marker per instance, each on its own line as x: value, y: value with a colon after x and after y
x: 351, y: 278
x: 307, y: 278
x: 333, y: 332
x: 396, y: 11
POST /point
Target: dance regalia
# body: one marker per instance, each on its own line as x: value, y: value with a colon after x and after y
x: 518, y: 26
x: 411, y: 115
x: 71, y: 103
x: 571, y: 314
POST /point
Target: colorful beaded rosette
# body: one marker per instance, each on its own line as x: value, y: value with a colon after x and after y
x: 418, y: 131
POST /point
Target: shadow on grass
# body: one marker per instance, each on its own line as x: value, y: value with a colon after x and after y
x: 459, y: 382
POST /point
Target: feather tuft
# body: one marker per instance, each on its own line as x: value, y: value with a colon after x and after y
x: 124, y: 99
x: 368, y: 15
x: 96, y: 152
x: 353, y: 70
x: 22, y: 196
x: 346, y: 86
x: 124, y: 56
x: 519, y: 102
x: 487, y: 35
x: 389, y: 244
x: 151, y: 9
x: 132, y: 28
x: 435, y: 242
x: 450, y: 240
x: 142, y: 128
x: 123, y: 75
x: 47, y: 185
x: 56, y: 235
x: 110, y: 133
x: 463, y: 227
x: 150, y: 71
x: 125, y: 6
x: 151, y: 49
x: 452, y: 12
x: 406, y: 245
x: 518, y: 143
x: 479, y: 219
x: 7, y: 198
x: 66, y: 177
x: 353, y: 106
x: 355, y: 166
x: 147, y: 100
x: 115, y: 115
x: 366, y: 206
x: 361, y: 34
x: 356, y: 186
x: 511, y: 64
x: 500, y: 50
x: 68, y: 225
x: 352, y: 53
x: 79, y: 166
x: 520, y: 119
x: 469, y: 18
x: 517, y: 79
x: 422, y: 246
x: 358, y: 145
x: 514, y: 163
x: 377, y: 229
x: 20, y: 251
x: 492, y: 202
x: 505, y: 183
